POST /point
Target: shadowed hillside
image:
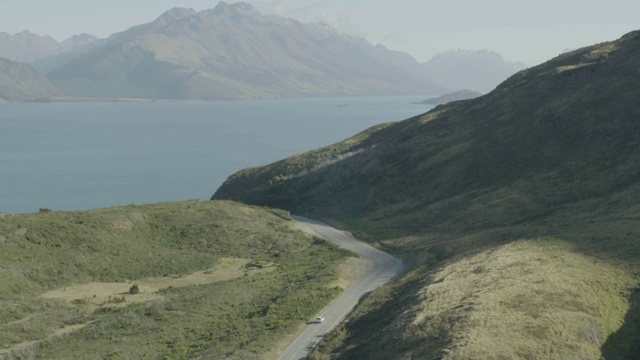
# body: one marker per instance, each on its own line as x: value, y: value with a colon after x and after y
x: 557, y: 133
x: 519, y: 205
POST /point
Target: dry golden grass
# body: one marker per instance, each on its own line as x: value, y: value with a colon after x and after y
x: 561, y: 69
x: 350, y: 270
x: 525, y: 300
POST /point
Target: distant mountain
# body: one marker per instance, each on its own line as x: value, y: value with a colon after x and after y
x: 77, y: 41
x: 234, y: 52
x: 20, y: 82
x: 464, y: 94
x: 519, y: 210
x: 29, y: 47
x: 406, y: 62
x: 68, y: 50
x: 26, y: 46
x: 464, y: 69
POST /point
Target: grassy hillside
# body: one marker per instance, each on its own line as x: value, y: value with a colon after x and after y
x: 519, y: 205
x: 166, y: 281
x: 20, y: 82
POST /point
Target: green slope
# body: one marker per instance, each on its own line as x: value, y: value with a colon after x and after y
x: 546, y: 164
x: 214, y: 280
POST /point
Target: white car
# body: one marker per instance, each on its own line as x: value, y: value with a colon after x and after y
x: 320, y: 319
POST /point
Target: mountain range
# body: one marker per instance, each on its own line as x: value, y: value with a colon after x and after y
x: 233, y: 52
x: 480, y: 70
x: 518, y: 209
x: 28, y: 47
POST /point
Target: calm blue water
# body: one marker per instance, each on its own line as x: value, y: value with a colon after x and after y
x: 76, y: 156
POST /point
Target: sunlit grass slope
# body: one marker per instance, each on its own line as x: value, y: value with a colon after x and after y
x: 193, y: 279
x: 519, y: 210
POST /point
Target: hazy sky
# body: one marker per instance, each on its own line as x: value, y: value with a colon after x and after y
x: 531, y: 31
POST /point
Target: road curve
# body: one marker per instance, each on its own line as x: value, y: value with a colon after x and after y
x: 385, y: 267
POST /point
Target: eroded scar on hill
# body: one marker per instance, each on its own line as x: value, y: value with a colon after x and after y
x: 98, y: 295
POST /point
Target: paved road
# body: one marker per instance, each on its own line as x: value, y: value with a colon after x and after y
x: 385, y: 267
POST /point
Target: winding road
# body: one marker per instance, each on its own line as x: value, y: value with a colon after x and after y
x: 385, y: 268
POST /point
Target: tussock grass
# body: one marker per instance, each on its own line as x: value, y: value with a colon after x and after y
x: 526, y: 299
x: 561, y: 286
x: 530, y: 298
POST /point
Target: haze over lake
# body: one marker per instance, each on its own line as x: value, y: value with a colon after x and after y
x: 76, y: 156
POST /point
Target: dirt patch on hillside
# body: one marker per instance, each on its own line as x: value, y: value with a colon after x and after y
x: 350, y: 270
x: 127, y: 223
x: 97, y: 295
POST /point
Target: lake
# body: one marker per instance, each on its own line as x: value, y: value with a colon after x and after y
x: 77, y: 156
